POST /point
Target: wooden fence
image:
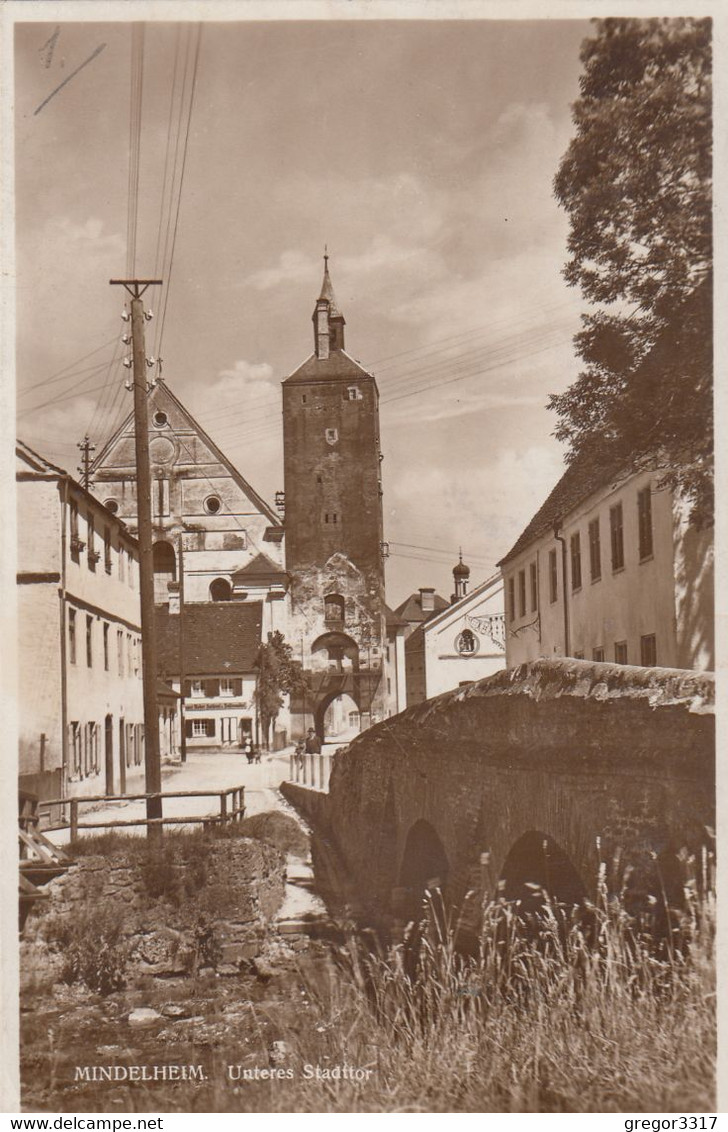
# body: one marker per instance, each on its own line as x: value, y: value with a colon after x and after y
x: 231, y: 809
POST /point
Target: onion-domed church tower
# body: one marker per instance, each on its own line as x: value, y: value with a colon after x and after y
x: 333, y: 527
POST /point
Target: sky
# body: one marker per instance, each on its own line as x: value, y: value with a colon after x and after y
x: 422, y: 153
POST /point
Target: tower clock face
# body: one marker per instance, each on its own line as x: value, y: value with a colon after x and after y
x: 332, y: 435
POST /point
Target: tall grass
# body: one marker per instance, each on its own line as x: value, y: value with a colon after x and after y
x: 570, y: 1011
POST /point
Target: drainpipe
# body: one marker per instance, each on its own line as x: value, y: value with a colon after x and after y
x: 562, y: 540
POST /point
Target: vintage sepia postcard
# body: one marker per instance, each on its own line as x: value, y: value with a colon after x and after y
x: 312, y: 817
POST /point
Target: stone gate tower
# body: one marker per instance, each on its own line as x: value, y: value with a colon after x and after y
x: 333, y: 525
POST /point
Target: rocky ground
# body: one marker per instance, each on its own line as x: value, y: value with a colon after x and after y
x: 209, y: 965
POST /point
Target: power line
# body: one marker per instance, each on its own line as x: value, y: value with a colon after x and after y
x: 181, y: 183
x: 135, y: 136
x: 60, y: 374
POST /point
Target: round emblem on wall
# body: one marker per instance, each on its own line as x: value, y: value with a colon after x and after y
x: 466, y: 643
x: 161, y: 450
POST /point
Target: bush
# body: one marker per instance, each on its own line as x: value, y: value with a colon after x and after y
x: 94, y: 953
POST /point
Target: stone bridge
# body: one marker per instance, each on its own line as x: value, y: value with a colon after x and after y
x: 533, y: 775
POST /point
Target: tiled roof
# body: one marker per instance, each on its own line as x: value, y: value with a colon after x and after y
x: 337, y: 365
x: 584, y: 476
x: 219, y: 637
x: 411, y: 608
x: 36, y: 461
x: 393, y: 619
x: 260, y: 567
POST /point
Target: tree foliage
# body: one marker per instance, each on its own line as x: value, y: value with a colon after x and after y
x: 636, y: 183
x: 278, y: 674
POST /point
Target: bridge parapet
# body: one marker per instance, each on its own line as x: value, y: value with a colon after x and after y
x: 537, y: 773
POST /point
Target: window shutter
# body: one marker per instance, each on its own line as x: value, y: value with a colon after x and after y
x: 188, y: 728
x: 188, y: 688
x: 210, y: 725
x: 212, y: 688
x: 237, y: 687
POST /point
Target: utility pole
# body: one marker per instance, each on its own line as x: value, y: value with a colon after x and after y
x: 85, y: 466
x: 152, y: 761
x: 182, y: 673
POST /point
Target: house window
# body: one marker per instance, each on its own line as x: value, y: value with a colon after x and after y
x: 512, y: 598
x: 75, y: 744
x: 120, y: 651
x: 616, y: 531
x: 91, y: 749
x: 644, y: 522
x: 534, y: 587
x: 162, y: 497
x: 212, y: 504
x: 648, y: 651
x: 159, y: 419
x: 598, y: 655
x: 91, y: 552
x: 353, y: 393
x: 139, y: 746
x: 197, y: 689
x: 333, y: 608
x: 620, y: 652
x: 72, y: 636
x: 579, y: 654
x: 303, y: 398
x: 521, y: 593
x: 221, y: 590
x: 112, y: 506
x: 107, y: 549
x: 576, y: 561
x: 553, y: 577
x: 466, y: 643
x: 122, y: 568
x: 226, y: 687
x: 106, y: 646
x: 89, y: 640
x: 76, y: 544
x: 595, y: 551
x: 203, y: 728
x: 129, y: 656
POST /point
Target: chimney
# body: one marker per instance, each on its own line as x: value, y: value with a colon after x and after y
x: 427, y: 599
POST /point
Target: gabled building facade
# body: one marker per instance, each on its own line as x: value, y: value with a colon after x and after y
x: 609, y: 569
x: 333, y: 524
x: 218, y: 563
x: 79, y: 651
x: 462, y: 643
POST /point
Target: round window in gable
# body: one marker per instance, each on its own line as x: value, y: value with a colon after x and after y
x: 212, y: 504
x: 160, y: 419
x: 112, y: 506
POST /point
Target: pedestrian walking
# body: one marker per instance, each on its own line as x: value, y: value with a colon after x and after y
x: 313, y: 743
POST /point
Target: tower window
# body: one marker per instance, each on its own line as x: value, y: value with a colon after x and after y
x: 331, y: 517
x: 303, y: 398
x: 353, y: 393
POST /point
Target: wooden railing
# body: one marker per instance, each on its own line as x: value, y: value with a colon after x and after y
x: 231, y: 809
x: 311, y: 770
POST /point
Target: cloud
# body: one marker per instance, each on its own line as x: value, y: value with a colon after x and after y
x: 87, y: 237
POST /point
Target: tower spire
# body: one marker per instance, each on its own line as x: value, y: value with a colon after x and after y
x: 328, y: 321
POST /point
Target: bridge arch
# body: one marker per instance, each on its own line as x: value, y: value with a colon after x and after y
x: 537, y: 864
x: 424, y: 867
